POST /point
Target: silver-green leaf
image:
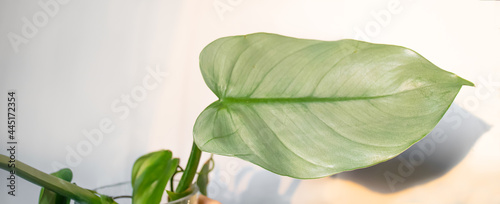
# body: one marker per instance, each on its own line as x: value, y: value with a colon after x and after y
x: 309, y: 109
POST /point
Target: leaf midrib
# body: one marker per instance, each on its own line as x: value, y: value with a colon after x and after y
x: 226, y: 100
x: 297, y: 100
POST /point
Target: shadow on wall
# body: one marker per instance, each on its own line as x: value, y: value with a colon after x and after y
x: 257, y: 186
x: 428, y: 159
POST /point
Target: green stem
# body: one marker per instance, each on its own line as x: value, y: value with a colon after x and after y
x: 112, y: 185
x: 190, y: 171
x: 50, y: 182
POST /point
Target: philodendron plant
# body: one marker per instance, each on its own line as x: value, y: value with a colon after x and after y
x: 296, y: 107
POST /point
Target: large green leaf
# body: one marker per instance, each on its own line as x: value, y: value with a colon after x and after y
x: 309, y: 108
x: 150, y: 176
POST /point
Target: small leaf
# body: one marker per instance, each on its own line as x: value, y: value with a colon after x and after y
x: 177, y: 196
x: 107, y: 200
x: 50, y: 197
x: 309, y: 108
x: 202, y: 180
x: 150, y: 175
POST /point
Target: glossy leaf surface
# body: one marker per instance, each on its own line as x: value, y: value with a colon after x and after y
x: 309, y: 109
x: 150, y: 176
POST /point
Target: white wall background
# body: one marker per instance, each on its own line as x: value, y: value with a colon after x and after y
x: 87, y: 55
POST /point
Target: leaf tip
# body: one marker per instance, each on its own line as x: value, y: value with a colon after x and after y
x: 466, y: 82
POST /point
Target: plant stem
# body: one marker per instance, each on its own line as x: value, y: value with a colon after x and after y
x: 190, y: 171
x: 50, y: 182
x: 111, y: 185
x: 124, y: 196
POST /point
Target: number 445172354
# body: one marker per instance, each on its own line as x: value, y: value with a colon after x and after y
x: 11, y: 115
